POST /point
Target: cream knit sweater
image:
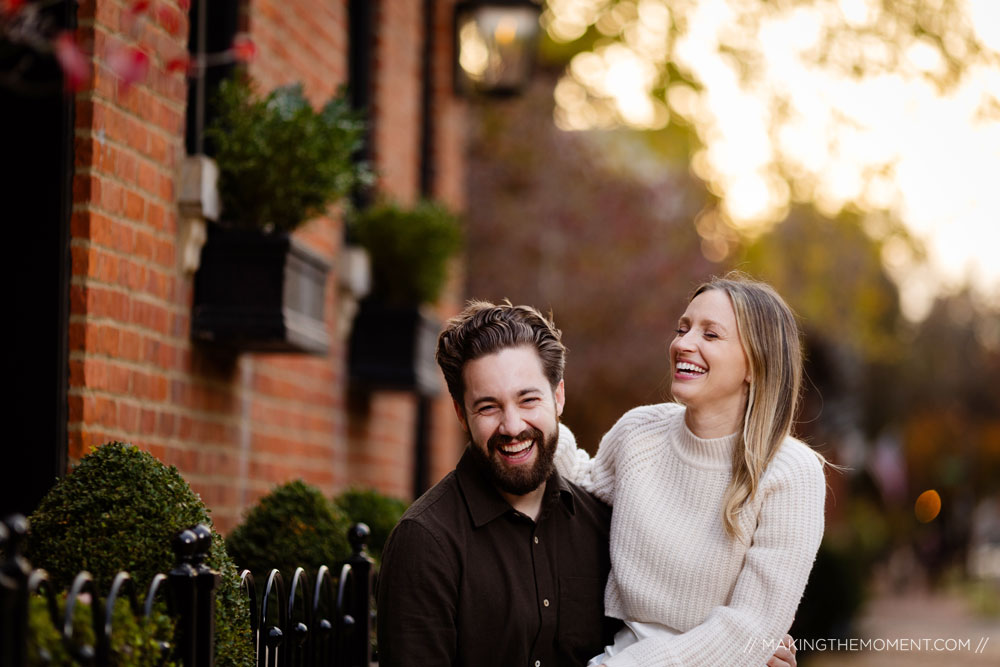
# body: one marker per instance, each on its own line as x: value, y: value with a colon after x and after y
x: 727, y: 601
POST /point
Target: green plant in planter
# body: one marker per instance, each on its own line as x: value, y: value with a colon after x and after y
x: 380, y: 512
x: 292, y: 526
x: 409, y: 250
x: 120, y: 509
x: 280, y: 161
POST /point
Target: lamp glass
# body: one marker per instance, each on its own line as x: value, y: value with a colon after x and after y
x: 495, y: 47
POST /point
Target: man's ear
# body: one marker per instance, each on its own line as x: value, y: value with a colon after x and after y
x: 560, y: 396
x: 460, y: 411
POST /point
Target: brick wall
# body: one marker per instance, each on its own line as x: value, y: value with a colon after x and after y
x: 127, y: 333
x: 235, y: 424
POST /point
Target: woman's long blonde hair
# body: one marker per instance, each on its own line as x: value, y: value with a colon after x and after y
x: 769, y: 334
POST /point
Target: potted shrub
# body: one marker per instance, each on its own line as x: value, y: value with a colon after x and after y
x: 280, y: 163
x: 393, y: 339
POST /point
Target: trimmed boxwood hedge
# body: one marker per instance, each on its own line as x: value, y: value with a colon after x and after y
x: 380, y: 512
x: 120, y: 509
x: 292, y: 526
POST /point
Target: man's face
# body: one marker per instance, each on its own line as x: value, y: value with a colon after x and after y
x: 511, y: 415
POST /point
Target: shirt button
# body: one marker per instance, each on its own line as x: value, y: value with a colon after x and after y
x: 536, y: 539
x: 545, y: 602
x: 538, y: 663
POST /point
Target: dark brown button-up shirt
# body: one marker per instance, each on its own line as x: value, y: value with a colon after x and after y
x: 467, y: 580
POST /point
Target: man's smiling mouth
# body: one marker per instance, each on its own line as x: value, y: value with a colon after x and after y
x: 517, y: 450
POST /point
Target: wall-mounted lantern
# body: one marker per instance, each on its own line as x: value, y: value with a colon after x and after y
x: 495, y: 45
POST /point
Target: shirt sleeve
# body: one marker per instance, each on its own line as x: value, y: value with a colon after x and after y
x: 767, y: 592
x: 597, y: 474
x: 417, y: 600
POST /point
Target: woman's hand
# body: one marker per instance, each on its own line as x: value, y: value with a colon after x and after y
x: 785, y: 655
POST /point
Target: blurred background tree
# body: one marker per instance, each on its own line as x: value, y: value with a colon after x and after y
x: 552, y: 224
x: 864, y: 105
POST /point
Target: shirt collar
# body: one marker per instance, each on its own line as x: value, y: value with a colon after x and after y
x: 486, y: 504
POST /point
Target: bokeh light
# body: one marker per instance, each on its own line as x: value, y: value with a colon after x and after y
x: 838, y: 103
x: 928, y: 506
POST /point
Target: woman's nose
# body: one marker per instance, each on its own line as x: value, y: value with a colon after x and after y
x: 683, y: 341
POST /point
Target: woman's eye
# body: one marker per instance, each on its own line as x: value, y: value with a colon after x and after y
x: 709, y: 334
x: 680, y: 331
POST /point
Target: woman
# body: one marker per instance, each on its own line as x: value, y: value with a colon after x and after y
x: 717, y: 510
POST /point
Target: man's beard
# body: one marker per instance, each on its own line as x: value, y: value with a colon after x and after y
x: 518, y: 480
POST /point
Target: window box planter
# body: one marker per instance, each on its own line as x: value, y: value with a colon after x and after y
x: 260, y: 292
x: 392, y: 347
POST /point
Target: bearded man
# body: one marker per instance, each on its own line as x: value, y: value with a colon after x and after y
x: 503, y: 562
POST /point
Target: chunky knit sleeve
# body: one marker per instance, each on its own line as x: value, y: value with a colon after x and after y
x: 768, y: 588
x: 596, y: 474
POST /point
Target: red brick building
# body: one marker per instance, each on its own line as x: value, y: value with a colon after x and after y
x: 121, y: 364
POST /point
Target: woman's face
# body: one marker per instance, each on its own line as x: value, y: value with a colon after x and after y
x: 710, y: 370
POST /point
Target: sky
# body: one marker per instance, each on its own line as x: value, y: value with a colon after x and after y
x: 904, y: 140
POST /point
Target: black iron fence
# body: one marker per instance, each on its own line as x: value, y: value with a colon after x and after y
x: 326, y: 623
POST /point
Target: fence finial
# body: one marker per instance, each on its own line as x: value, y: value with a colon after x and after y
x: 203, y: 545
x: 358, y: 535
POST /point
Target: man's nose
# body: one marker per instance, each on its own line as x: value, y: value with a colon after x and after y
x: 511, y: 423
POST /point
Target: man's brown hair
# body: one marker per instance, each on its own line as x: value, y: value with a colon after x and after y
x: 486, y: 328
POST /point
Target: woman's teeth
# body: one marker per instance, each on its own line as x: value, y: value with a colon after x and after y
x: 689, y: 367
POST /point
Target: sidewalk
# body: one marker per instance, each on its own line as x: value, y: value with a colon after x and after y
x: 919, y: 620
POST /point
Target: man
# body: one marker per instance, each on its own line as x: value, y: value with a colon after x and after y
x: 503, y: 562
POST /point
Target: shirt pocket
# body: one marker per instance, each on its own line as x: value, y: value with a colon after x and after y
x: 581, y: 612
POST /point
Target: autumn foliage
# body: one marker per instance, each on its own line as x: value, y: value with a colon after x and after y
x: 24, y: 26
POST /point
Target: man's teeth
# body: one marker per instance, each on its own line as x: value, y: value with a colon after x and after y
x: 515, y: 447
x: 685, y: 366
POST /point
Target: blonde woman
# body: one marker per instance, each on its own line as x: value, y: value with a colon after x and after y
x: 717, y: 510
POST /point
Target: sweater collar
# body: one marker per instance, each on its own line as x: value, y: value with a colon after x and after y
x: 712, y: 453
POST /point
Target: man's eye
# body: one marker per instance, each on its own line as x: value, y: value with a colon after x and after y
x: 487, y: 409
x: 529, y: 401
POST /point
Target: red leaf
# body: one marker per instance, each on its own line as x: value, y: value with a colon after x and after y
x: 129, y: 64
x: 11, y: 6
x: 184, y: 4
x: 179, y: 64
x: 75, y: 65
x: 169, y: 18
x: 243, y: 48
x: 138, y: 7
